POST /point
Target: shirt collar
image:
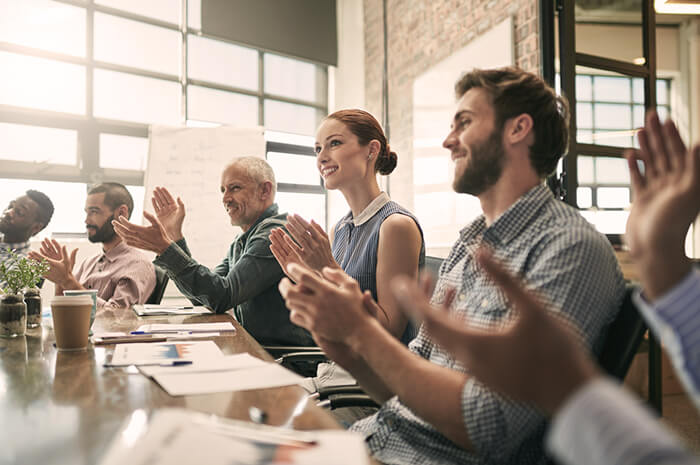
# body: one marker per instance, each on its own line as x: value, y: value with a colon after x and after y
x: 272, y: 210
x: 370, y: 210
x: 509, y: 225
x: 18, y: 246
x: 115, y: 251
x: 513, y: 220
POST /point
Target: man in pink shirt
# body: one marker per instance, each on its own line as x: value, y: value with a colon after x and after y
x: 122, y: 275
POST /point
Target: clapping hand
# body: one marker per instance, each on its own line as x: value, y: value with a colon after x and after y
x: 310, y: 245
x: 666, y: 202
x: 330, y: 305
x: 170, y: 213
x: 153, y: 237
x: 283, y: 252
x: 61, y: 262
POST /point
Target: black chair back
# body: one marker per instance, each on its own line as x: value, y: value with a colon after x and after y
x: 161, y: 283
x: 624, y: 336
x: 432, y: 265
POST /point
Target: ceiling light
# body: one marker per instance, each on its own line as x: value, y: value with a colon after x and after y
x: 679, y: 7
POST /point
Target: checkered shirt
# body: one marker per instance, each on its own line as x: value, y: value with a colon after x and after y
x: 21, y: 249
x: 563, y: 258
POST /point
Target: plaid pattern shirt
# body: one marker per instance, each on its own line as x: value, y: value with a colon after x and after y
x: 562, y: 257
x: 21, y: 249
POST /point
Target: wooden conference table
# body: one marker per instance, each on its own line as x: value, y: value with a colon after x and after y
x: 65, y: 407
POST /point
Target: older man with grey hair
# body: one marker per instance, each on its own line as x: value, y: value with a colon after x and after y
x: 247, y: 278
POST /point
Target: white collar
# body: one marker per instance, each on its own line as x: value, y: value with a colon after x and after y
x: 373, y: 207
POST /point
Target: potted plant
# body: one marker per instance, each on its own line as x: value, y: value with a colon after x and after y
x: 17, y: 274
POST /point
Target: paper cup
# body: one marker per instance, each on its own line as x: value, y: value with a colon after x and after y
x: 93, y: 294
x: 71, y: 321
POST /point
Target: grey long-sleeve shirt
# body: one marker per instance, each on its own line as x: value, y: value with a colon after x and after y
x: 246, y: 280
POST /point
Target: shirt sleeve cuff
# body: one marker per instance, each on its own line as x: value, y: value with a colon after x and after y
x: 573, y: 430
x: 601, y: 424
x: 174, y: 259
x: 672, y: 302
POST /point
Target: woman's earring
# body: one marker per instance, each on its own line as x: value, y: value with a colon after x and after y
x: 369, y: 157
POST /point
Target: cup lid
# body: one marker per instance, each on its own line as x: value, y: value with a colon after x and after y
x: 83, y: 299
x: 80, y: 292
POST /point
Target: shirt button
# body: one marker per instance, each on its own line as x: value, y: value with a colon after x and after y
x: 485, y: 303
x: 462, y: 296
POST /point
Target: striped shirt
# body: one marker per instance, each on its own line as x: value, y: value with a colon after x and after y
x: 356, y: 243
x: 601, y: 424
x: 675, y: 319
x: 21, y: 249
x: 563, y: 258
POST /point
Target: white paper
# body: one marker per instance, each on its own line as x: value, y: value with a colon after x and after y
x: 163, y: 352
x: 194, y: 327
x: 185, y: 384
x: 168, y: 437
x: 152, y: 309
x: 225, y: 363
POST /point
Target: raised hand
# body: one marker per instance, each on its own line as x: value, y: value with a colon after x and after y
x: 153, y: 237
x: 169, y: 212
x: 312, y: 243
x: 61, y: 262
x: 666, y: 202
x: 50, y: 248
x: 536, y: 359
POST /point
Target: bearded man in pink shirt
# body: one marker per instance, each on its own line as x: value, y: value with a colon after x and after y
x: 122, y: 275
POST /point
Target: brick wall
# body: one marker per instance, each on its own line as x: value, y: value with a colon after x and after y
x: 421, y: 34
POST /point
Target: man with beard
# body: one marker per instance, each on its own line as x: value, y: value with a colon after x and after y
x: 507, y: 135
x: 23, y: 218
x: 122, y: 275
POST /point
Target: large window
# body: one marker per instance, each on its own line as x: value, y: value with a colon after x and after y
x: 83, y: 79
x: 609, y: 111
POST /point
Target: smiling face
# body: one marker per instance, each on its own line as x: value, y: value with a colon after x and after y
x: 340, y: 157
x: 475, y: 143
x: 20, y: 220
x: 98, y: 218
x: 244, y: 199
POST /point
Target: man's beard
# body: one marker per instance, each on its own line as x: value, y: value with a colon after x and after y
x: 484, y: 168
x: 104, y: 233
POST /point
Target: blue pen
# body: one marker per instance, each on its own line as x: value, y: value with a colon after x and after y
x: 139, y: 332
x: 176, y: 363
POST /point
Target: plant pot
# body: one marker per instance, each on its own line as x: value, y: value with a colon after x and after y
x: 13, y: 315
x: 32, y: 298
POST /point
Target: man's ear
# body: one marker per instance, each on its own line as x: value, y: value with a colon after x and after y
x: 519, y: 128
x: 122, y: 210
x: 265, y: 190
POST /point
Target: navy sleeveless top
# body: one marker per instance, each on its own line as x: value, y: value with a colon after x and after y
x: 356, y: 242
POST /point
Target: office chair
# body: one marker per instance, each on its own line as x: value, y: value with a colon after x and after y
x: 624, y: 336
x: 161, y: 283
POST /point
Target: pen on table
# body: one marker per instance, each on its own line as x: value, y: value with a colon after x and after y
x: 175, y: 363
x: 168, y: 307
x: 162, y: 331
x: 170, y: 363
